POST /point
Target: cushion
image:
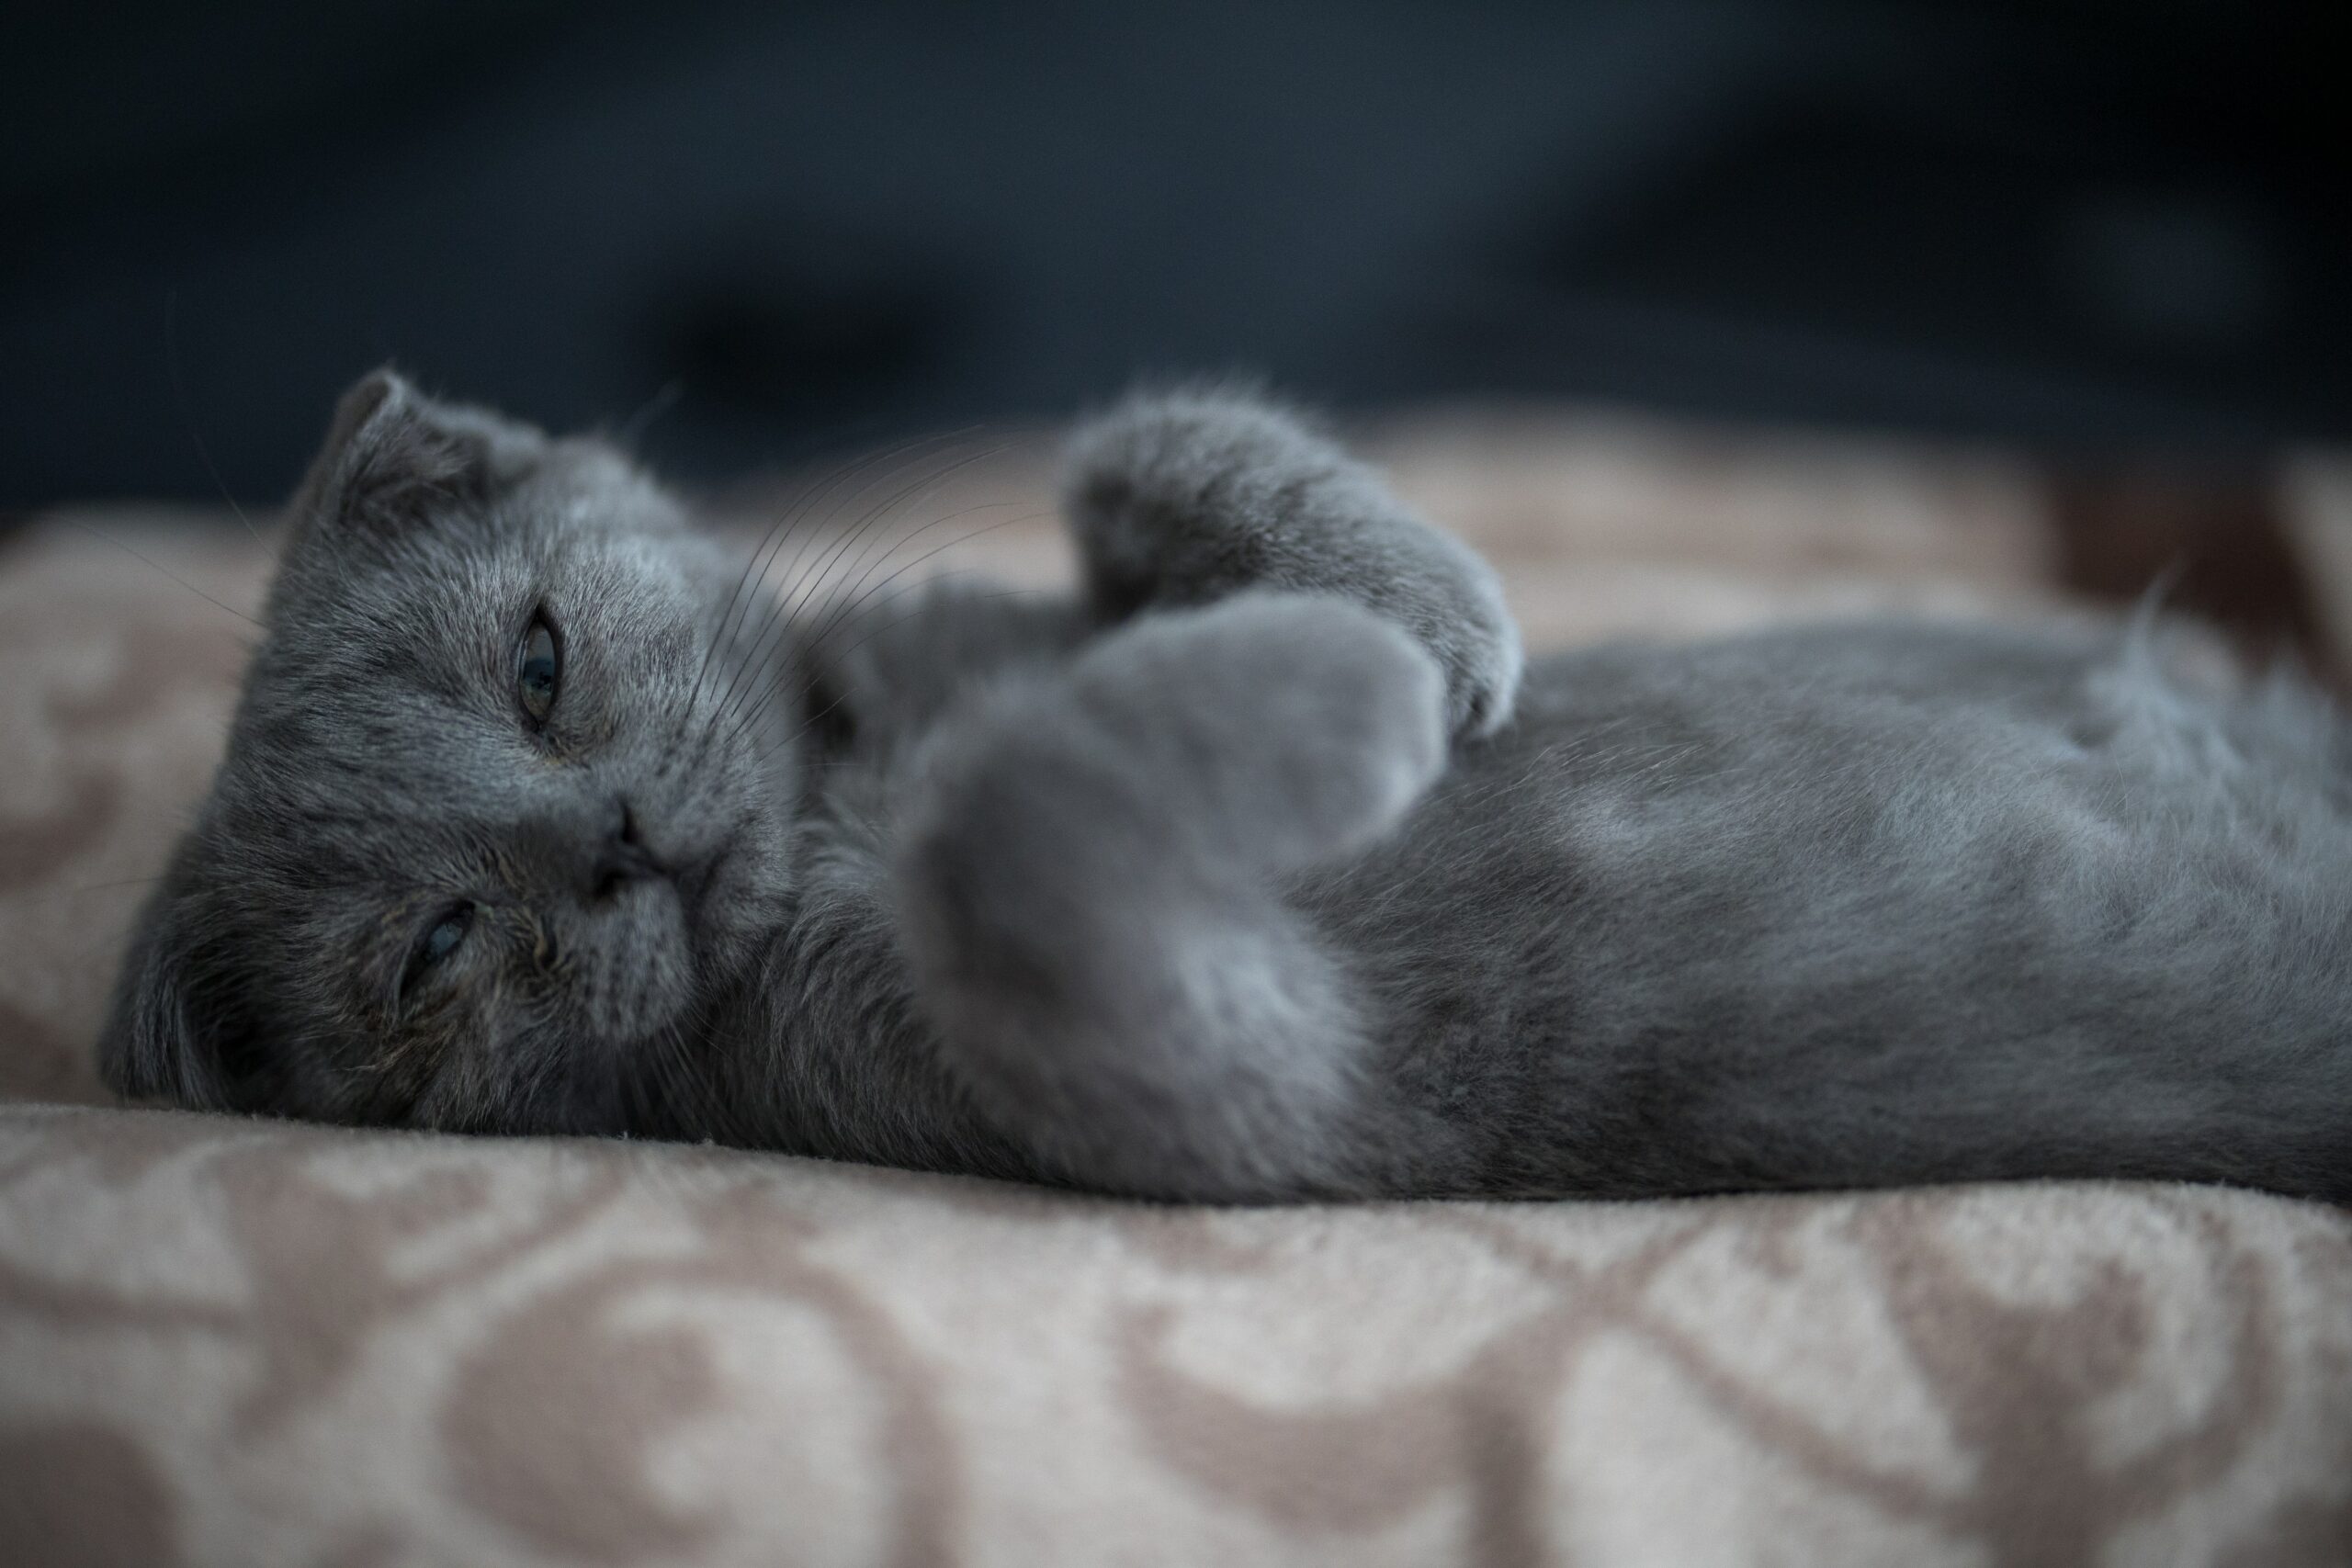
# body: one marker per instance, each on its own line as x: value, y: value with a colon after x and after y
x: 244, y: 1342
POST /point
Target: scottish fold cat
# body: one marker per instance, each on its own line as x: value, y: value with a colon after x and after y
x: 1261, y: 868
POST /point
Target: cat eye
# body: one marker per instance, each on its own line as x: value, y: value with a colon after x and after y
x: 538, y: 670
x: 439, y: 941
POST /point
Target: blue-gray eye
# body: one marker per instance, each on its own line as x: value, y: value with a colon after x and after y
x: 438, y: 942
x: 540, y: 668
x: 445, y: 934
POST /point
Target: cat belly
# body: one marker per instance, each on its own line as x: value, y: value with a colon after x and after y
x: 1799, y: 910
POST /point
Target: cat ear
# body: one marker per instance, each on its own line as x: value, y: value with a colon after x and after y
x: 175, y: 1033
x: 394, y: 457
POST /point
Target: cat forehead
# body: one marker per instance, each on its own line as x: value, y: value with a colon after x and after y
x: 601, y: 557
x: 378, y: 733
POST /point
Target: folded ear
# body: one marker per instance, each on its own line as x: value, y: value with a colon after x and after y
x: 178, y: 1032
x: 394, y: 457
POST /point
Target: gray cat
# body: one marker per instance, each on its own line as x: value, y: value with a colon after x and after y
x: 1257, y: 870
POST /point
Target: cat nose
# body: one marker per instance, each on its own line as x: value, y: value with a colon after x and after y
x: 620, y: 857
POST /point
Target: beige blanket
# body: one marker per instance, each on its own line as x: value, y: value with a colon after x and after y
x: 242, y: 1343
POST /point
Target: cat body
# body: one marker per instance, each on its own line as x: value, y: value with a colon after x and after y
x: 1261, y: 868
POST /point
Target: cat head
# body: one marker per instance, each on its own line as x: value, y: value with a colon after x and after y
x: 487, y: 827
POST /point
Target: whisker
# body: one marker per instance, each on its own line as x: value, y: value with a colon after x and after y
x: 866, y: 568
x: 771, y: 543
x: 634, y: 427
x: 780, y: 681
x: 780, y: 613
x: 188, y: 415
x: 793, y: 511
x: 762, y: 604
x: 849, y: 606
x: 791, y: 573
x: 889, y: 511
x: 158, y: 566
x: 1001, y: 447
x: 813, y: 718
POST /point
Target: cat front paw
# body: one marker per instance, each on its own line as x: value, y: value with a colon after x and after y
x: 1464, y: 626
x: 1181, y: 498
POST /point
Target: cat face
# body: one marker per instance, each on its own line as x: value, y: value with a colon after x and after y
x: 493, y: 824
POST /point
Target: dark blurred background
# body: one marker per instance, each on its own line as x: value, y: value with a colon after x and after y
x: 2095, y: 227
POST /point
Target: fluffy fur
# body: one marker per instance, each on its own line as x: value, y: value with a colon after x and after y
x: 1259, y: 869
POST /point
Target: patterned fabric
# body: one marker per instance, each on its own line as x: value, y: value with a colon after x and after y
x: 242, y: 1343
x: 245, y: 1343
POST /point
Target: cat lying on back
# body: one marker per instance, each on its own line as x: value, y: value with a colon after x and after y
x: 1259, y: 869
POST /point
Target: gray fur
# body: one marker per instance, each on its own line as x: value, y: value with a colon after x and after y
x: 1256, y: 871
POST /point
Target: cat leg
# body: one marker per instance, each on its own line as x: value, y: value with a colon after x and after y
x: 1181, y: 498
x: 1085, y: 880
